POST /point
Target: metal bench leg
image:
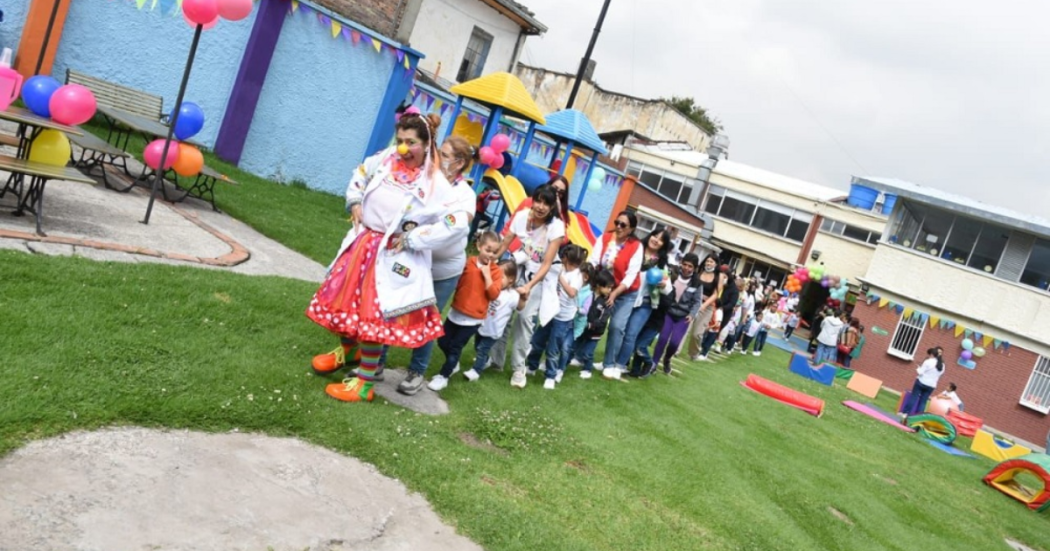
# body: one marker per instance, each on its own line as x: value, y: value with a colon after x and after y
x: 33, y: 201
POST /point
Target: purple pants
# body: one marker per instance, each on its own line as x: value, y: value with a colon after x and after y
x: 670, y: 338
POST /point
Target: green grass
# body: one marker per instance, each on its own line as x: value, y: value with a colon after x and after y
x: 694, y: 462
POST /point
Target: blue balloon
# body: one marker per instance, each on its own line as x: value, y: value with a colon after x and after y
x: 37, y: 92
x: 654, y: 276
x: 191, y: 120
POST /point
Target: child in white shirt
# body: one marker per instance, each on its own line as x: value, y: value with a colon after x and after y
x: 753, y: 327
x: 496, y: 320
x: 552, y: 337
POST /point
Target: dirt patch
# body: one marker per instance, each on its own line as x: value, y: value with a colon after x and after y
x: 840, y: 515
x: 223, y: 297
x: 134, y: 488
x: 474, y: 442
x: 578, y: 465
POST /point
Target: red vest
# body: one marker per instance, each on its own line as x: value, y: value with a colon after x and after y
x: 623, y: 259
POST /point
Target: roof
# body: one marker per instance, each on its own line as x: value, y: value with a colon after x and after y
x: 571, y: 124
x: 776, y: 181
x: 504, y: 90
x: 523, y: 14
x: 958, y: 203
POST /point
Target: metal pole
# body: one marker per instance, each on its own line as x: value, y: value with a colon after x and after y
x: 158, y: 174
x: 587, y: 56
x: 47, y: 37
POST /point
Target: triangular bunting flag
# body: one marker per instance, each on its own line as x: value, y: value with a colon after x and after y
x: 959, y: 330
x: 951, y: 325
x: 405, y: 61
x: 967, y: 332
x: 167, y: 6
x: 934, y: 321
x: 324, y: 19
x: 986, y: 341
x: 883, y: 302
x: 355, y: 37
x: 337, y: 29
x: 977, y: 336
x: 908, y: 313
x: 997, y: 343
x: 295, y: 7
x: 346, y: 33
x: 400, y: 56
x: 430, y: 103
x: 1006, y: 345
x: 439, y: 104
x: 140, y: 3
x: 900, y: 308
x: 377, y: 45
x: 924, y: 318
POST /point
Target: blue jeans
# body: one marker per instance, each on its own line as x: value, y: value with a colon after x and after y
x: 825, y: 353
x: 644, y: 341
x: 917, y: 398
x: 568, y: 348
x: 548, y: 338
x: 585, y: 351
x: 452, y: 342
x: 482, y: 345
x: 635, y: 323
x: 617, y: 327
x: 709, y: 340
x: 421, y: 356
x: 760, y: 340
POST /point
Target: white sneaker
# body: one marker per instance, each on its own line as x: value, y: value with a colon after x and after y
x: 471, y: 375
x: 756, y: 353
x: 703, y: 357
x: 455, y: 369
x: 558, y: 377
x: 518, y: 379
x: 585, y: 374
x: 533, y: 372
x: 575, y: 363
x: 438, y: 383
x: 612, y: 373
x: 549, y: 384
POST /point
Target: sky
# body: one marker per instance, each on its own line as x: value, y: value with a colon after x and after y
x: 947, y: 94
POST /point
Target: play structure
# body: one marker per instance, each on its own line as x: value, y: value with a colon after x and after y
x: 504, y: 95
x: 823, y: 374
x: 785, y: 395
x: 876, y: 414
x: 933, y: 427
x: 1036, y: 465
x: 993, y: 447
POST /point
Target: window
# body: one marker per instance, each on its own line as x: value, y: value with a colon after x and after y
x: 934, y: 232
x: 714, y: 199
x: 474, y: 58
x: 850, y: 232
x: 1037, y: 392
x: 906, y: 228
x: 989, y: 248
x: 906, y: 338
x: 772, y: 218
x: 671, y: 187
x: 736, y: 209
x: 1037, y: 271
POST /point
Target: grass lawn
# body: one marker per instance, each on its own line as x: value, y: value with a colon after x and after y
x: 693, y: 462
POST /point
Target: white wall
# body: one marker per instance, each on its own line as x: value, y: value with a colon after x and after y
x: 443, y: 28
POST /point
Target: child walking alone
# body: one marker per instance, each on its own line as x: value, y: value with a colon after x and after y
x: 480, y: 284
x: 496, y: 320
x: 550, y: 339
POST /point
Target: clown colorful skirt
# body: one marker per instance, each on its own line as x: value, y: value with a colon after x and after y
x: 347, y: 303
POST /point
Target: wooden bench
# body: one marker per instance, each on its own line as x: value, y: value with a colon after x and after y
x: 203, y: 186
x: 32, y: 198
x: 96, y: 153
x: 118, y: 96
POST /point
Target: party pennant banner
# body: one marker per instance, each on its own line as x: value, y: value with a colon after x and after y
x: 377, y: 45
x: 967, y: 333
x: 337, y: 29
x: 883, y: 302
x: 959, y: 330
x: 934, y: 321
x: 997, y: 343
x: 908, y: 312
x: 986, y: 341
x: 977, y: 336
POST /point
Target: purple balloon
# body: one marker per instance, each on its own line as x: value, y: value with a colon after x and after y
x: 966, y: 355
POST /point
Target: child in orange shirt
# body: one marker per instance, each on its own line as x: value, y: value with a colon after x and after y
x: 480, y: 284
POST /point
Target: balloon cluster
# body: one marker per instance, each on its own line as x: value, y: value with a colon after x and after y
x: 185, y: 159
x: 71, y: 105
x: 597, y: 177
x: 207, y: 12
x: 492, y: 154
x: 970, y: 351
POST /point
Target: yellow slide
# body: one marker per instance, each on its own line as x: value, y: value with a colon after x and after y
x: 576, y: 235
x: 513, y: 194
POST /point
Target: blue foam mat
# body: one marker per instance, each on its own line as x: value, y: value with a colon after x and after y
x: 948, y: 449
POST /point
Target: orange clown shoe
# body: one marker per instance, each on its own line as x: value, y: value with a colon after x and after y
x: 334, y: 360
x: 351, y: 390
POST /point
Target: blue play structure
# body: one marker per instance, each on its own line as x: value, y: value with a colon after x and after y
x: 825, y: 374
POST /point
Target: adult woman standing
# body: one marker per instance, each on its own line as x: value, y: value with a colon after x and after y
x: 379, y: 290
x: 540, y: 233
x: 929, y: 373
x: 711, y: 283
x: 730, y: 293
x: 657, y: 248
x: 620, y: 252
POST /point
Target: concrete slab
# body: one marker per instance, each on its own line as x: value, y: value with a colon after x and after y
x: 134, y: 488
x: 425, y: 401
x: 50, y: 249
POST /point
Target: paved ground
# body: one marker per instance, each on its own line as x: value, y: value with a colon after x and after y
x: 140, y: 489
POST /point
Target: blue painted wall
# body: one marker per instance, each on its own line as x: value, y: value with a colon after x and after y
x: 317, y: 109
x: 147, y: 50
x: 14, y: 19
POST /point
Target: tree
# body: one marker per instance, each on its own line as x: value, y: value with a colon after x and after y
x: 696, y: 113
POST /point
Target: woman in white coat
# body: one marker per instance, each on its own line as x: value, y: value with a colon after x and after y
x: 380, y: 289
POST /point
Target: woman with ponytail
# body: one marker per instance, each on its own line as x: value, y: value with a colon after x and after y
x: 380, y: 289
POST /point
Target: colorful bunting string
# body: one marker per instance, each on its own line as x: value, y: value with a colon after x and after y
x: 938, y: 322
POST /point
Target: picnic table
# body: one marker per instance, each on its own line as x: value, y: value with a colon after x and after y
x: 31, y: 198
x: 123, y: 124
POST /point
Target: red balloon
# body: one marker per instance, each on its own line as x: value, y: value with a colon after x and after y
x: 497, y: 162
x: 201, y: 12
x: 155, y: 149
x: 234, y: 10
x: 72, y: 105
x: 500, y: 143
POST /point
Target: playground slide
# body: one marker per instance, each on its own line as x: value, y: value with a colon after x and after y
x: 579, y: 231
x: 785, y: 395
x: 513, y: 194
x: 1003, y: 478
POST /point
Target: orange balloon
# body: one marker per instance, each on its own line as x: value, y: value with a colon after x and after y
x: 190, y: 161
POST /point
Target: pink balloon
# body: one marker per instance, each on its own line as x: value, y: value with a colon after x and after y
x: 235, y: 10
x: 207, y: 26
x: 72, y: 104
x: 201, y: 12
x: 497, y: 162
x: 485, y: 154
x: 155, y: 149
x: 500, y: 143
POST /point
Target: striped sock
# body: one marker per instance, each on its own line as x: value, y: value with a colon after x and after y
x: 370, y: 354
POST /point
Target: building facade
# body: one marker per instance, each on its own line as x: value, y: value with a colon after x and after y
x: 946, y: 270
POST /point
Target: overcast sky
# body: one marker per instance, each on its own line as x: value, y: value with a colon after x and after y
x: 947, y: 94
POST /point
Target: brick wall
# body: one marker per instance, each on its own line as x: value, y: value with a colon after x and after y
x: 379, y: 15
x: 991, y: 392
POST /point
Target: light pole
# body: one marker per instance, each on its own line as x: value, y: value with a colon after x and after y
x: 587, y: 56
x: 718, y: 147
